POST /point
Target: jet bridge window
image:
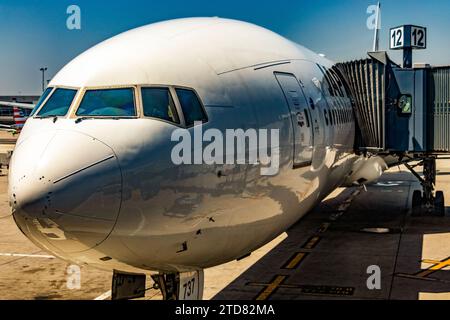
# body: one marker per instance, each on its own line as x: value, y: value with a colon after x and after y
x: 108, y: 103
x: 191, y: 106
x: 158, y: 103
x: 58, y: 104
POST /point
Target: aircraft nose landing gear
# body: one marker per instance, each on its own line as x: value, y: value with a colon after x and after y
x: 426, y: 202
x: 180, y: 286
x: 173, y: 286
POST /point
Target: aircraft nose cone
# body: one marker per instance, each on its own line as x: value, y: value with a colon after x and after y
x: 65, y: 190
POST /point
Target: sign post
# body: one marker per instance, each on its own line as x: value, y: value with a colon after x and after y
x: 408, y: 38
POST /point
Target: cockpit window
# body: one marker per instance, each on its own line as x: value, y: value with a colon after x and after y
x: 192, y: 108
x: 42, y: 99
x: 58, y: 104
x: 158, y: 103
x: 108, y: 103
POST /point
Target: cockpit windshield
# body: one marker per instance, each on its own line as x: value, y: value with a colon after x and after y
x: 41, y: 99
x: 158, y: 103
x: 108, y: 103
x: 58, y: 104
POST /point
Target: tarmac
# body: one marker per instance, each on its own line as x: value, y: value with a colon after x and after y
x: 359, y: 243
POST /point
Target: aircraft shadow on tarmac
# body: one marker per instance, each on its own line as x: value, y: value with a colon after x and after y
x: 331, y: 253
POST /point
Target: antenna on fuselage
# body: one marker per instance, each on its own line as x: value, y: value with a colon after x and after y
x: 376, y: 39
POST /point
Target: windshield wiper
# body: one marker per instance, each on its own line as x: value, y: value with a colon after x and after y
x: 55, y: 118
x: 83, y: 118
x: 46, y: 117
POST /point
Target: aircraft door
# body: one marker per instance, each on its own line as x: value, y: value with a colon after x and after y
x: 301, y: 118
x: 312, y: 78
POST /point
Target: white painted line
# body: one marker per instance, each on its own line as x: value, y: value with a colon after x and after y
x: 104, y: 296
x: 22, y: 255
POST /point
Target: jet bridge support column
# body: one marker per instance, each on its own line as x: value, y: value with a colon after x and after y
x: 403, y: 111
x: 426, y: 201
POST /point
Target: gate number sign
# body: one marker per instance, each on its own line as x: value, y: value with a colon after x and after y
x: 408, y: 36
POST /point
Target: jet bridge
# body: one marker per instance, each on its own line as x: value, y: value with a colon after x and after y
x: 404, y: 112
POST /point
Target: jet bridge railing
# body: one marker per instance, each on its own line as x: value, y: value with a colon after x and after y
x: 439, y: 99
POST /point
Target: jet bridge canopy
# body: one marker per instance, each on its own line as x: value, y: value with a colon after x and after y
x: 403, y: 112
x: 399, y: 110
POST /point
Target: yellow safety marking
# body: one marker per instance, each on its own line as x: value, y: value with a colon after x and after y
x: 271, y: 287
x: 295, y: 261
x: 324, y: 227
x: 411, y: 276
x: 311, y: 243
x: 436, y: 266
x: 343, y: 207
x: 311, y: 290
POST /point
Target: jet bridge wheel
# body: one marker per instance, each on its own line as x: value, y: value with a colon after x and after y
x: 427, y: 202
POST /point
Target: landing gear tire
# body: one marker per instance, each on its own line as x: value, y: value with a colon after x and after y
x: 427, y: 202
x: 439, y: 204
x: 417, y: 203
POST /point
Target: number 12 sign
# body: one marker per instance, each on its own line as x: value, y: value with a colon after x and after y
x: 408, y: 37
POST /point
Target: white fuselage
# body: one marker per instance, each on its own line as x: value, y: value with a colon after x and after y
x: 106, y: 192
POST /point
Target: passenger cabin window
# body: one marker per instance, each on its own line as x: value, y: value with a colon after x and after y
x: 108, y: 103
x: 191, y: 106
x: 158, y: 103
x: 58, y: 104
x: 41, y: 100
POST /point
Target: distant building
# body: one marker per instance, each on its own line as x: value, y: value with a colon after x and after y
x: 6, y: 113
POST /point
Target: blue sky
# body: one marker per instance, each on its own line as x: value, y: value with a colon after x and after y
x: 33, y: 33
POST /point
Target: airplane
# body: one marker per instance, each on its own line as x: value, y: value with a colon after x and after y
x: 18, y: 115
x: 93, y: 180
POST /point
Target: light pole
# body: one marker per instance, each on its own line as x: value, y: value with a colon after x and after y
x: 43, y: 77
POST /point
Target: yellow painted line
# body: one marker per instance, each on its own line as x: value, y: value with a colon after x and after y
x: 324, y: 227
x: 411, y: 276
x: 343, y: 207
x: 437, y: 265
x: 267, y: 292
x: 425, y: 273
x: 311, y: 243
x: 312, y: 290
x: 295, y: 261
x: 431, y: 261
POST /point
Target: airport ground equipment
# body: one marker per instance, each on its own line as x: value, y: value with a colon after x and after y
x: 403, y: 112
x: 127, y: 285
x: 173, y: 286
